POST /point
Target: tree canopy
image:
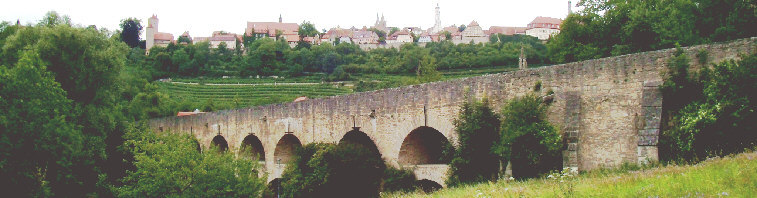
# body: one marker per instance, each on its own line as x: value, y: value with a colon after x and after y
x: 131, y: 29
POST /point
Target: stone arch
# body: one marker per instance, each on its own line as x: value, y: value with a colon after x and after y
x: 427, y: 186
x: 423, y: 145
x: 358, y: 137
x: 252, y: 146
x: 220, y: 142
x: 286, y: 148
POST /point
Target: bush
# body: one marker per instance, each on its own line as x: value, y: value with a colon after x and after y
x: 170, y: 165
x: 477, y: 128
x: 398, y: 180
x: 528, y: 141
x: 720, y: 120
x: 328, y: 170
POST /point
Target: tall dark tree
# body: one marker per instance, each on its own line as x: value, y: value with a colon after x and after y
x: 477, y: 128
x: 131, y: 28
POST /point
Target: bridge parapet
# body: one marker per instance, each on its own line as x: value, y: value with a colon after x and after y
x: 607, y: 108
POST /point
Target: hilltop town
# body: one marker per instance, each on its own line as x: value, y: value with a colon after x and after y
x: 378, y: 35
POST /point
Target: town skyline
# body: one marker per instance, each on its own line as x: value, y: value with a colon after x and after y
x: 341, y: 14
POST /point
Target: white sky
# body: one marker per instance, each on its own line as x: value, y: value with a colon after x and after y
x: 201, y: 18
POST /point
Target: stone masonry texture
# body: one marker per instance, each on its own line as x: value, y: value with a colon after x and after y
x: 607, y: 109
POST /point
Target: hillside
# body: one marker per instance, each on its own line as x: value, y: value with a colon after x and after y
x: 245, y: 92
x: 733, y: 176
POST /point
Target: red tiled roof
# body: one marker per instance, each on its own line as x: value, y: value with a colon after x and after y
x: 271, y: 27
x: 364, y: 34
x: 338, y: 32
x: 200, y: 39
x: 473, y: 23
x: 547, y: 20
x: 450, y: 29
x: 301, y: 98
x: 160, y: 36
x: 188, y: 113
x: 292, y: 37
x: 507, y: 30
x: 223, y: 38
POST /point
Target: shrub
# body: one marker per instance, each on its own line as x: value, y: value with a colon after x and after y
x: 398, y: 180
x: 477, y: 127
x: 719, y: 120
x: 329, y: 170
x: 170, y: 165
x: 528, y: 141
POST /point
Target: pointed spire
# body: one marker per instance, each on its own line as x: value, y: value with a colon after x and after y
x: 280, y: 18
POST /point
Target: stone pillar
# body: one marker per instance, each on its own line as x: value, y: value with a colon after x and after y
x: 649, y: 125
x: 572, y: 128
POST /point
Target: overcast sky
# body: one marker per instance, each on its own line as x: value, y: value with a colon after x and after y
x: 201, y: 18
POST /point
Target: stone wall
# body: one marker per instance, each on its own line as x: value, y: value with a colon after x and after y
x: 605, y: 107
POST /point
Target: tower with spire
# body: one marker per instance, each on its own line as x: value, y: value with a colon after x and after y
x: 380, y: 23
x: 280, y: 21
x: 570, y: 8
x: 438, y: 21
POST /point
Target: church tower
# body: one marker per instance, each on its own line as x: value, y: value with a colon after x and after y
x: 152, y: 28
x: 570, y: 8
x: 280, y: 18
x: 438, y: 22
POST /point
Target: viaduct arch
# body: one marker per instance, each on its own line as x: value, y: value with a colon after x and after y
x: 608, y: 111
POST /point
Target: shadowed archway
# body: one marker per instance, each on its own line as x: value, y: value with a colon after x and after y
x: 424, y: 145
x: 357, y: 137
x: 221, y: 143
x: 252, y: 147
x: 427, y: 186
x: 286, y: 149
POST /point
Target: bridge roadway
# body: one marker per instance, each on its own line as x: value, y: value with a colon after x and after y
x: 608, y: 111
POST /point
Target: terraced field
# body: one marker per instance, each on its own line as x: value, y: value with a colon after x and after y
x: 250, y: 95
x: 245, y: 92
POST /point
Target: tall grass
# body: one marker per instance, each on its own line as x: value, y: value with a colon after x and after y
x: 733, y: 176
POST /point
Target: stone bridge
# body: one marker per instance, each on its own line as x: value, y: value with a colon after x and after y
x: 607, y: 109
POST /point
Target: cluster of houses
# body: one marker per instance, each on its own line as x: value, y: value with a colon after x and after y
x: 367, y: 38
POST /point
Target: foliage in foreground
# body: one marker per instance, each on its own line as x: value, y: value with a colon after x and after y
x: 711, y: 111
x: 169, y: 165
x: 729, y: 176
x: 529, y: 142
x: 61, y: 91
x: 329, y: 170
x: 477, y: 127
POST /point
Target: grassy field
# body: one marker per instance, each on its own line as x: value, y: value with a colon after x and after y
x: 250, y: 95
x: 734, y: 176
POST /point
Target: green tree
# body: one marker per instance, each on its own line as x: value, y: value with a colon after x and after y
x: 611, y: 28
x: 426, y: 71
x: 52, y: 18
x: 170, y: 165
x: 38, y: 142
x: 328, y: 170
x: 131, y: 28
x: 713, y: 111
x: 477, y: 127
x: 307, y: 29
x: 528, y: 141
x: 461, y: 28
